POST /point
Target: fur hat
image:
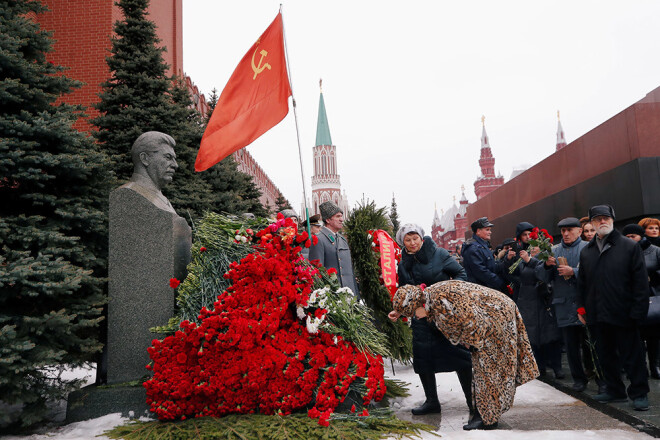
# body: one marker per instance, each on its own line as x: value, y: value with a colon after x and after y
x: 328, y: 209
x: 633, y: 228
x: 289, y: 213
x: 599, y: 210
x: 407, y: 229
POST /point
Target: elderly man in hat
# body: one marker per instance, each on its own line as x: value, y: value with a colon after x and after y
x: 478, y: 260
x: 315, y: 226
x: 614, y: 299
x: 561, y: 271
x: 332, y: 248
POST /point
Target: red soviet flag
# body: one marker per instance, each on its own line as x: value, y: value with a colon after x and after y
x: 254, y: 100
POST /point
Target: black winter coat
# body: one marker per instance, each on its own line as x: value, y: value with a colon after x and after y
x: 535, y: 305
x: 652, y: 261
x: 480, y: 265
x: 432, y: 352
x: 613, y: 284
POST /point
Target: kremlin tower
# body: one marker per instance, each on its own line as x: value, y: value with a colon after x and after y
x: 561, y: 139
x: 325, y: 180
x: 487, y: 182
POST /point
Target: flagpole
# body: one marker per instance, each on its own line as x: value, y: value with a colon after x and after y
x: 295, y: 116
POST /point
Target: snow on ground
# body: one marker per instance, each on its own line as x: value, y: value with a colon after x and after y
x: 535, y: 394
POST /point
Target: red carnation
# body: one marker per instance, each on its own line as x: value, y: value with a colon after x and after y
x: 280, y: 216
x: 324, y: 422
x: 581, y: 311
x: 202, y: 249
x: 174, y: 283
x: 181, y: 358
x: 313, y: 413
x: 315, y: 240
x: 364, y: 413
x: 353, y: 408
x: 332, y: 271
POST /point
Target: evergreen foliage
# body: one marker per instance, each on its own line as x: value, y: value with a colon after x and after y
x: 212, y: 102
x: 205, y: 281
x: 140, y: 97
x: 365, y: 262
x: 282, y: 203
x: 53, y: 232
x: 394, y: 216
x: 233, y: 191
x: 381, y: 424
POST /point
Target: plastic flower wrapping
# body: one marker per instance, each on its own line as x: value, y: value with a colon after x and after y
x: 542, y: 239
x: 283, y: 337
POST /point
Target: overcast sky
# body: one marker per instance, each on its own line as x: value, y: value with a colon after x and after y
x: 406, y: 83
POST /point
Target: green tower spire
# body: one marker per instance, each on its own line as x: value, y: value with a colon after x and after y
x: 322, y: 127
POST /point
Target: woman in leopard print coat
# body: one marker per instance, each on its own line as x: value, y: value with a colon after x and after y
x: 489, y: 324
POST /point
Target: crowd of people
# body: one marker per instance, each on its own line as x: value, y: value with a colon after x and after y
x: 588, y: 298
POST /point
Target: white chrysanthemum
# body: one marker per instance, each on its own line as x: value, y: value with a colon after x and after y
x: 238, y: 238
x: 313, y: 324
x: 244, y: 239
x: 344, y: 290
x: 334, y: 339
x: 300, y: 312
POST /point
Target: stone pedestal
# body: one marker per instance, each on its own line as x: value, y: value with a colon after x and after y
x: 148, y: 246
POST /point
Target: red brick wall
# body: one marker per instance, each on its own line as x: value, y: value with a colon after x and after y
x: 82, y: 32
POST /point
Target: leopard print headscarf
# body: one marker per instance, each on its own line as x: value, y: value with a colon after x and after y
x: 407, y: 299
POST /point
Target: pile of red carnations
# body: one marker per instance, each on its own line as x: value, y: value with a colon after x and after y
x: 252, y: 353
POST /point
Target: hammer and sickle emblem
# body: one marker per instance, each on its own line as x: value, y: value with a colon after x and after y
x: 259, y: 68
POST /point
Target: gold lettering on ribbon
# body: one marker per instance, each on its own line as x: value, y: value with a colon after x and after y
x: 259, y: 68
x: 387, y: 258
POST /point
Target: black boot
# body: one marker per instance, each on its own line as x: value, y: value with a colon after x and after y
x: 477, y: 423
x: 432, y: 404
x: 465, y: 378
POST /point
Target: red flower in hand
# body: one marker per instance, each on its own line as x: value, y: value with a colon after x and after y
x: 174, y: 283
x: 581, y: 311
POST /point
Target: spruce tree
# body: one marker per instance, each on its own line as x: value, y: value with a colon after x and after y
x: 281, y: 203
x: 140, y: 97
x: 53, y: 236
x: 394, y: 215
x: 233, y: 191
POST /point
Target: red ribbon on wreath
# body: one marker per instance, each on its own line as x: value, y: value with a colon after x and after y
x: 390, y: 253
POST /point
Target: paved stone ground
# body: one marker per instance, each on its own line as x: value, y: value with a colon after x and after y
x: 537, y: 407
x: 526, y: 417
x: 645, y: 421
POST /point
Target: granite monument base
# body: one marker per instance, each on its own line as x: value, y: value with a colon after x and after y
x: 95, y: 401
